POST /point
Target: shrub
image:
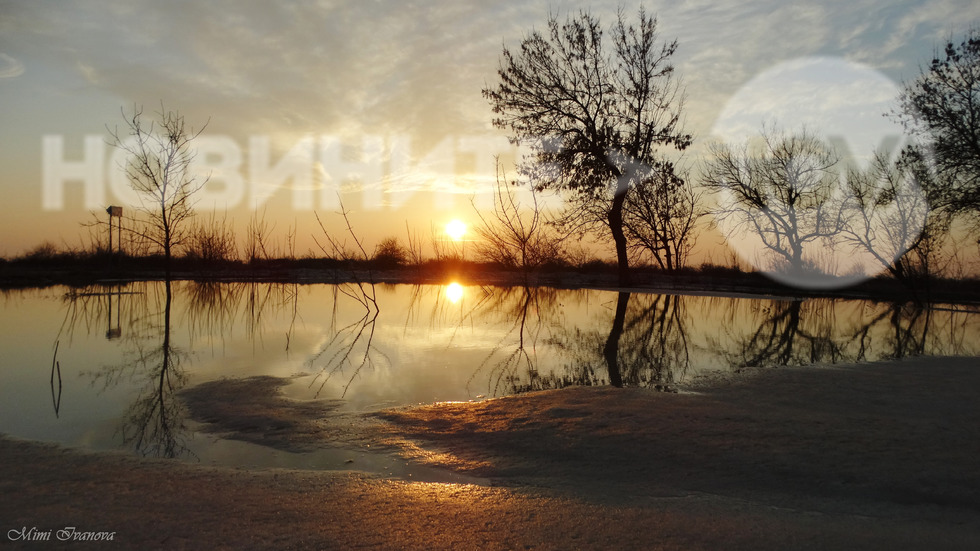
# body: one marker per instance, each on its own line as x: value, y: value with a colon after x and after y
x: 389, y: 253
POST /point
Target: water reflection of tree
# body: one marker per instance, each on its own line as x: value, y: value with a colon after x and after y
x: 512, y: 363
x: 444, y: 311
x: 214, y: 307
x: 655, y: 348
x: 153, y: 423
x: 610, y: 351
x: 828, y: 331
x: 91, y: 309
x: 781, y: 337
x: 350, y: 348
x: 905, y: 329
x: 647, y: 345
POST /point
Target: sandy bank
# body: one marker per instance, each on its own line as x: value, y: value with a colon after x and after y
x: 844, y: 438
x: 875, y: 456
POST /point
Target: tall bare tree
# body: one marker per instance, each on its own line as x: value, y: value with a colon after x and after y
x: 592, y: 108
x: 158, y: 166
x: 942, y: 108
x: 783, y: 194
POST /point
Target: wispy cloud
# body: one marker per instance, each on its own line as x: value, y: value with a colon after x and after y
x: 386, y: 67
x: 10, y: 67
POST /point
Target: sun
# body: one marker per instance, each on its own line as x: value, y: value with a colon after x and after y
x: 456, y: 229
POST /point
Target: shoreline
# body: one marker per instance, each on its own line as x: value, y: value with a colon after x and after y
x: 724, y: 282
x: 858, y: 456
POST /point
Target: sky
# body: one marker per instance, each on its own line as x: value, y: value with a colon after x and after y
x: 378, y: 103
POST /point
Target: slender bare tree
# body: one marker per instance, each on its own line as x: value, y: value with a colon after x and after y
x: 158, y: 166
x: 661, y: 216
x: 516, y: 235
x: 888, y: 215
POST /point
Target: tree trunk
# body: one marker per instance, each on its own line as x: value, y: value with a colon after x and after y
x: 619, y: 236
x: 165, y: 367
x: 611, y: 350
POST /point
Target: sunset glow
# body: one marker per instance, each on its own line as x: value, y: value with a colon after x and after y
x: 288, y: 139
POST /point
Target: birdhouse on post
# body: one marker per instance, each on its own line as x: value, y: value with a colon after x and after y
x: 117, y: 213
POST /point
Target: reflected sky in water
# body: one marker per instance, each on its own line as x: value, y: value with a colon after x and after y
x: 125, y: 352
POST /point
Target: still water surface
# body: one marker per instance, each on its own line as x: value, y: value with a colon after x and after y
x: 101, y: 367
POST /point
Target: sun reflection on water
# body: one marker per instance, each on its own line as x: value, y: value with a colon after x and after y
x: 454, y: 292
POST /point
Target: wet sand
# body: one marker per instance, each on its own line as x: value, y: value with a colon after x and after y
x: 866, y: 456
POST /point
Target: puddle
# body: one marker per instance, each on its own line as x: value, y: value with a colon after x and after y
x: 206, y: 449
x: 109, y: 366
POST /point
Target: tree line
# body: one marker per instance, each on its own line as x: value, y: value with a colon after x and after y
x: 601, y: 110
x: 611, y: 109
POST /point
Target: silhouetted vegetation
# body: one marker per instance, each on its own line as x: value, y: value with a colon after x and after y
x: 516, y: 237
x: 212, y: 241
x: 782, y: 194
x: 49, y: 265
x: 661, y: 217
x: 594, y: 112
x: 390, y: 254
x: 158, y: 169
x: 940, y: 108
x: 907, y: 215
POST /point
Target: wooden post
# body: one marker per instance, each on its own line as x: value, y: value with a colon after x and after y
x: 115, y: 212
x: 109, y: 210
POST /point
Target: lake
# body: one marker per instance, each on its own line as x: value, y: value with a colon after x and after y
x: 102, y: 367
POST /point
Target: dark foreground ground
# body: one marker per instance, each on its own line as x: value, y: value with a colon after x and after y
x: 868, y: 456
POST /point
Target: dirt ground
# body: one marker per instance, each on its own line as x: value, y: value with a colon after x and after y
x: 866, y: 456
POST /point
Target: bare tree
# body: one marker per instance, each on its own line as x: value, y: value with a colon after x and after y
x: 158, y: 168
x: 661, y: 214
x: 606, y: 110
x: 514, y: 236
x: 414, y: 253
x: 362, y: 289
x: 942, y: 108
x: 357, y: 339
x: 889, y: 218
x: 257, y: 242
x: 784, y: 194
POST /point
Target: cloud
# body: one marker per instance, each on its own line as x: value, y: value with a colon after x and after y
x: 387, y: 67
x: 10, y: 67
x: 324, y: 67
x: 831, y: 96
